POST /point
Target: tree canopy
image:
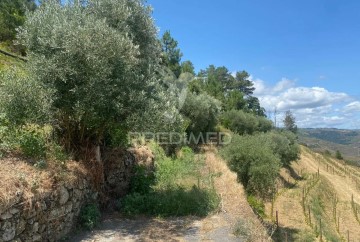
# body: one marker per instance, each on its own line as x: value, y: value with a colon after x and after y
x: 12, y: 16
x: 290, y: 122
x: 100, y: 60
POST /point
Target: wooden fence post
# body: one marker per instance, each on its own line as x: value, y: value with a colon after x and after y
x: 277, y: 219
x: 320, y: 231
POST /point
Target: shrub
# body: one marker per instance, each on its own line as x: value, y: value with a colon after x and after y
x: 89, y: 216
x: 32, y: 144
x: 24, y: 100
x: 245, y: 123
x: 95, y: 86
x: 142, y: 181
x: 257, y: 205
x: 171, y: 172
x: 175, y: 201
x: 338, y: 155
x: 253, y: 159
x: 284, y: 145
x: 201, y: 112
x: 171, y: 190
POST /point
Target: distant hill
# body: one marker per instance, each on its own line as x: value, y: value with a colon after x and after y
x: 321, y: 139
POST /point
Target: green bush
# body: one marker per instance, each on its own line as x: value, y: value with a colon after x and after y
x: 175, y: 201
x: 241, y: 122
x: 172, y: 190
x: 257, y: 205
x: 23, y: 100
x: 32, y: 144
x: 170, y: 172
x: 89, y: 216
x: 93, y: 90
x: 284, y: 144
x: 338, y: 155
x: 201, y: 112
x: 255, y: 162
x: 142, y: 181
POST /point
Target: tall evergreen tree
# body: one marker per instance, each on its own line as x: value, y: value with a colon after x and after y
x: 187, y: 67
x: 290, y: 122
x: 171, y: 53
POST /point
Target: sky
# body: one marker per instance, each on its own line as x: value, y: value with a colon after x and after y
x: 302, y: 56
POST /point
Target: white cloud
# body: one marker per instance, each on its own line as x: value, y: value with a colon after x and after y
x: 312, y: 106
x: 352, y: 107
x: 261, y: 88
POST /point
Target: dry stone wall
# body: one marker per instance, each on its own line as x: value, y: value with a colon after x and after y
x: 46, y: 218
x: 53, y: 214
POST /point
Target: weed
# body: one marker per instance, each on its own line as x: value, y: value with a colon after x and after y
x: 89, y: 216
x: 41, y: 164
x: 172, y: 202
x: 172, y: 190
x: 257, y: 205
x: 32, y: 144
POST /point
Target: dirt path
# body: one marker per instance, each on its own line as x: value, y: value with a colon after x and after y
x: 234, y: 206
x: 217, y: 227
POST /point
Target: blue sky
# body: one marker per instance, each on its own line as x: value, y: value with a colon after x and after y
x: 302, y: 55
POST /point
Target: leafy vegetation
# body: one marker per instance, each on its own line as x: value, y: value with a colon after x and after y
x: 173, y: 189
x: 89, y: 216
x: 241, y: 122
x: 257, y: 159
x: 98, y: 71
x: 12, y: 15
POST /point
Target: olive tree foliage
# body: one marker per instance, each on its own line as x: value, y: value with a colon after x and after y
x: 201, y: 112
x: 100, y: 59
x: 258, y: 158
x: 285, y: 146
x: 23, y: 100
x: 165, y: 112
x: 241, y: 122
x: 254, y: 161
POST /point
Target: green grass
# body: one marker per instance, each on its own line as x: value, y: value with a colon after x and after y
x: 177, y: 187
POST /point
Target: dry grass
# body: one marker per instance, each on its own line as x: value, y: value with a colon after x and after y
x: 234, y: 206
x: 21, y: 181
x: 288, y: 203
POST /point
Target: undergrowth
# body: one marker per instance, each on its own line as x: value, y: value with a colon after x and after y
x: 173, y: 189
x: 89, y: 216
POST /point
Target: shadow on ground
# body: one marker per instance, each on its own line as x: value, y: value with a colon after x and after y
x: 115, y: 227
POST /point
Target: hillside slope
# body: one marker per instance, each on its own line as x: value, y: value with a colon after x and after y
x: 318, y: 190
x: 346, y: 141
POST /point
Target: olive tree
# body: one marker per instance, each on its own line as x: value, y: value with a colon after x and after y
x: 100, y: 59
